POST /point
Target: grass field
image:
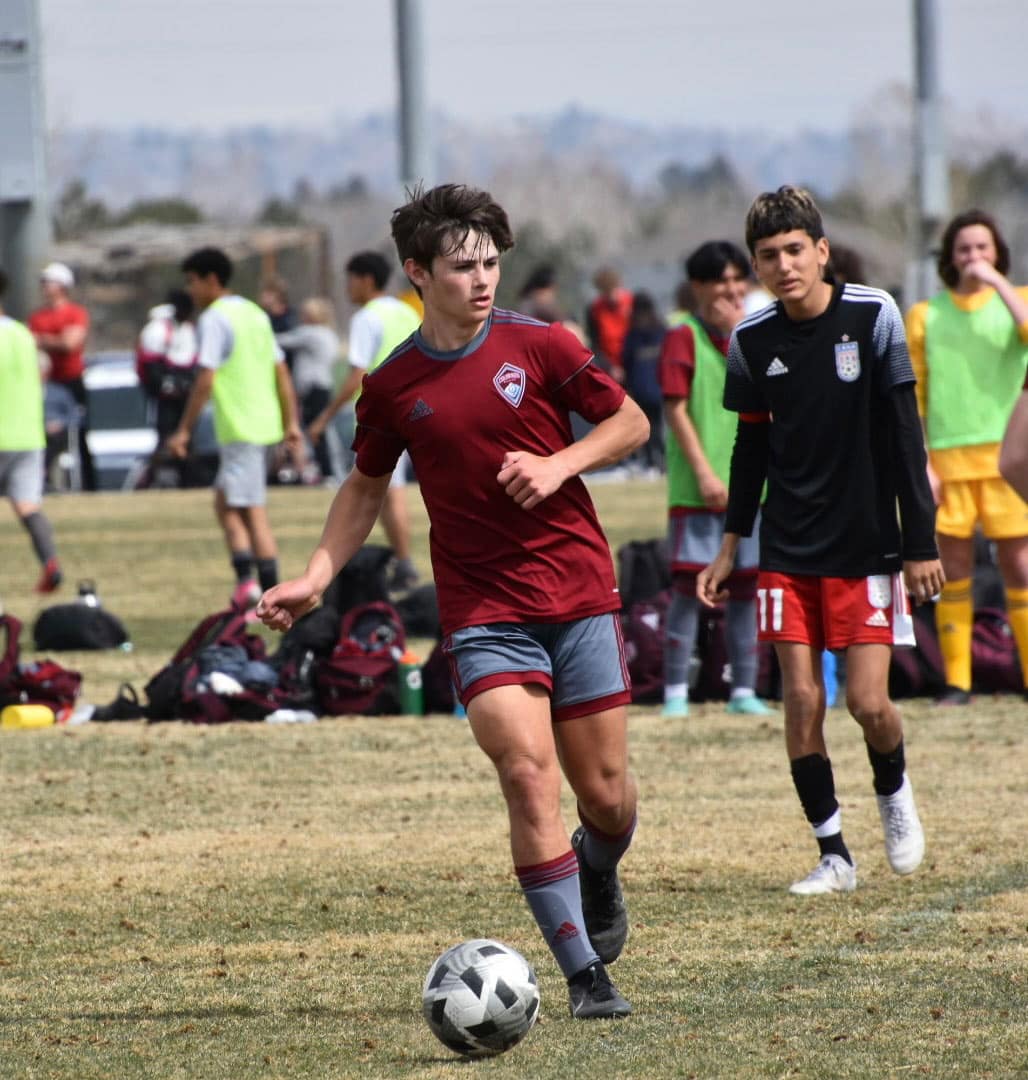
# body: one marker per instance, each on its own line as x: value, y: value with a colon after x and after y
x: 259, y: 901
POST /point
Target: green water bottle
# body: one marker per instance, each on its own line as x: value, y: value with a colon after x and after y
x: 412, y: 691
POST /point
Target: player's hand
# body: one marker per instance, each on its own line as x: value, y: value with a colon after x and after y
x: 923, y: 580
x: 981, y: 271
x: 316, y: 429
x: 727, y: 311
x: 713, y: 492
x: 708, y: 581
x: 528, y: 478
x: 177, y: 443
x: 286, y: 602
x: 295, y: 445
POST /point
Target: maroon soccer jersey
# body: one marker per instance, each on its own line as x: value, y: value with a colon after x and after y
x: 458, y: 413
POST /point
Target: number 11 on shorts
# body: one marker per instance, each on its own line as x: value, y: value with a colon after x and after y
x: 776, y: 608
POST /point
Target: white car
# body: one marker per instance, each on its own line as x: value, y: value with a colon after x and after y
x: 121, y: 434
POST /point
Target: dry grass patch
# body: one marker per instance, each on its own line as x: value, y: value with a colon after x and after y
x: 259, y: 901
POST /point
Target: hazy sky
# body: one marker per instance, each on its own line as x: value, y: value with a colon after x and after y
x: 744, y: 64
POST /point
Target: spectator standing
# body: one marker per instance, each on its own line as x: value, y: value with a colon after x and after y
x: 640, y: 357
x: 166, y: 358
x: 381, y: 324
x: 60, y: 328
x: 969, y: 348
x: 22, y: 440
x: 243, y: 371
x: 608, y: 319
x: 824, y: 389
x: 700, y: 436
x: 316, y: 350
x: 273, y: 297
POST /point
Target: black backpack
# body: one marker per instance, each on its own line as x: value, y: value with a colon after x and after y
x: 78, y: 626
x: 644, y: 570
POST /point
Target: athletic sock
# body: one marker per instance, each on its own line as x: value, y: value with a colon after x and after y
x: 683, y: 620
x: 603, y: 851
x: 741, y: 642
x: 888, y: 768
x: 40, y: 531
x: 1017, y: 615
x: 815, y: 785
x: 267, y: 573
x: 554, y: 897
x: 954, y: 616
x: 242, y: 564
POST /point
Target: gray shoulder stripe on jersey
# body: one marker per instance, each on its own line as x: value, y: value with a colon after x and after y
x: 758, y: 316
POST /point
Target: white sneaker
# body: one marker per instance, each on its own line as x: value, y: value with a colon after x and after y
x: 832, y: 874
x: 904, y: 837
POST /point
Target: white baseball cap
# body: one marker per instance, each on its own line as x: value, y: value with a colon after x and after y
x: 58, y: 273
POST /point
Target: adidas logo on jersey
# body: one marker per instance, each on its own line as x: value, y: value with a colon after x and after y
x: 879, y: 618
x: 420, y: 411
x: 776, y: 367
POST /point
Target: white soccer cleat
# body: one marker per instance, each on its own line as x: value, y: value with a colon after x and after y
x: 832, y: 874
x: 904, y: 837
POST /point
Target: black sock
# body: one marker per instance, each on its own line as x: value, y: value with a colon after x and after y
x: 242, y: 564
x: 888, y: 769
x: 267, y: 572
x: 37, y: 525
x: 815, y: 785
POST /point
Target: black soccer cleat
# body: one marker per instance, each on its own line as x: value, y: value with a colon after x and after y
x: 594, y: 997
x: 603, y: 905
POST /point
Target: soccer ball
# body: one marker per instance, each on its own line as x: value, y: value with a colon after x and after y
x: 480, y: 997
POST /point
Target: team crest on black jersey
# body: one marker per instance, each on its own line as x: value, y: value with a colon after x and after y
x: 847, y: 361
x: 510, y: 380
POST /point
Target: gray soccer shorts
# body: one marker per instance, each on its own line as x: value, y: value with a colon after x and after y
x: 21, y: 475
x: 243, y: 474
x: 581, y: 663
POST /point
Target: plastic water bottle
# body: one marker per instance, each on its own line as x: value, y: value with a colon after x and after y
x: 412, y: 690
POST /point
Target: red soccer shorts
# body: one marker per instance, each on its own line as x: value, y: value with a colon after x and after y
x: 831, y: 612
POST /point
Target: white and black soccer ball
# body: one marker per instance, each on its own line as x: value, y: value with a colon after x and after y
x: 480, y: 997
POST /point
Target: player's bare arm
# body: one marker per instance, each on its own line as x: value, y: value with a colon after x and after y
x: 529, y: 479
x: 708, y: 581
x: 351, y: 517
x: 712, y: 488
x: 177, y: 442
x: 923, y: 580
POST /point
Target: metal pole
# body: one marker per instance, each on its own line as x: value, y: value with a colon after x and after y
x: 25, y: 232
x: 931, y: 167
x: 410, y: 61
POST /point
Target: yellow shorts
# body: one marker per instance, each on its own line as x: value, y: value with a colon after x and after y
x: 993, y: 502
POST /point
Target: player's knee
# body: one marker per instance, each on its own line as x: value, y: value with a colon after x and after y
x: 802, y: 703
x: 870, y: 709
x: 527, y: 782
x: 603, y: 796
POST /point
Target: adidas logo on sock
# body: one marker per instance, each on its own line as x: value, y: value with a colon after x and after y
x: 776, y: 367
x: 565, y: 932
x: 420, y: 411
x: 878, y: 619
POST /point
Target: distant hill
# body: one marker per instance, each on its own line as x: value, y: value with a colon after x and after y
x: 237, y: 171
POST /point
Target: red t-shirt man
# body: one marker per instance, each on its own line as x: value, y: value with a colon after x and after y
x: 458, y: 413
x: 50, y: 322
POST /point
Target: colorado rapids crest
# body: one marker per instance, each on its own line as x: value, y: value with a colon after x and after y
x: 510, y: 380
